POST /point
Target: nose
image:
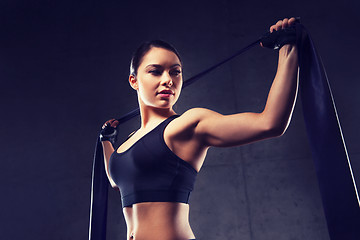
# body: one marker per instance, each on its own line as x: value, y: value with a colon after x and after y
x: 167, y: 80
x: 170, y: 82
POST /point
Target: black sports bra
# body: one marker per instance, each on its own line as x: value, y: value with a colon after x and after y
x: 150, y: 172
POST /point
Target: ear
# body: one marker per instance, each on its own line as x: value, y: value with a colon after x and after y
x: 133, y: 82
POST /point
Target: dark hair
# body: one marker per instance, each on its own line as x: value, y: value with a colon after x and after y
x: 144, y: 48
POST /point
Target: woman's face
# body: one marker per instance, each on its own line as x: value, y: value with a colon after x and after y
x: 159, y: 78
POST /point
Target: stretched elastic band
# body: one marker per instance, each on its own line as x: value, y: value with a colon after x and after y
x: 334, y: 172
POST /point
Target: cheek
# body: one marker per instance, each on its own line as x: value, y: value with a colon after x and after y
x: 147, y: 84
x: 177, y: 94
x: 181, y: 84
x: 179, y: 87
x: 146, y: 88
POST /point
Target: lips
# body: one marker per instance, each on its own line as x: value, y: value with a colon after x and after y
x: 166, y: 91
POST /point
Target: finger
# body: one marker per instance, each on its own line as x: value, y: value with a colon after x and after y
x: 272, y: 28
x: 285, y: 23
x: 278, y: 25
x: 108, y: 122
x: 115, y: 123
x: 292, y: 21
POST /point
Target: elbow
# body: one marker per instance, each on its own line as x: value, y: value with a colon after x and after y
x: 278, y: 132
x: 114, y: 186
x: 276, y: 129
x: 112, y: 183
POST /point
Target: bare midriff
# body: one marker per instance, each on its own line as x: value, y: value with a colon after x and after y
x: 158, y: 220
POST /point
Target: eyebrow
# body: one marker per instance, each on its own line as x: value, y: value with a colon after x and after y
x: 160, y: 66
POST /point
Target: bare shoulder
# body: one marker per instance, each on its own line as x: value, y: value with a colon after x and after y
x: 190, y: 119
x: 196, y: 115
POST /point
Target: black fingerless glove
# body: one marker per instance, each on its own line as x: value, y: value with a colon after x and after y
x: 108, y: 134
x: 277, y: 39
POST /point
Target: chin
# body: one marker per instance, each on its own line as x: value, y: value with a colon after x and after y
x: 163, y: 104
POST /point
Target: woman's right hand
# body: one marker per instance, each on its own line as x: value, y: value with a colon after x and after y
x: 109, y: 132
x: 112, y: 123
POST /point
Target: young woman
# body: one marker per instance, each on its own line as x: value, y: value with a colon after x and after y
x: 155, y: 168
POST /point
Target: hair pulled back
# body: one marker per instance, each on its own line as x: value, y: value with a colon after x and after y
x: 144, y: 48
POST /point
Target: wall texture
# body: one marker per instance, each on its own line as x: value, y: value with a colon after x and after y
x: 63, y: 70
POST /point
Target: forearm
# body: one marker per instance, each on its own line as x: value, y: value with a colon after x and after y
x: 108, y: 149
x: 282, y: 96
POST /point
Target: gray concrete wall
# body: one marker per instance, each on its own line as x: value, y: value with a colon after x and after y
x: 63, y: 70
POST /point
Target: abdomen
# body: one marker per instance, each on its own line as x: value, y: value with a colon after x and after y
x: 158, y: 220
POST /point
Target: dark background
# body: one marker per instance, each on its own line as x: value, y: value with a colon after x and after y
x: 64, y: 68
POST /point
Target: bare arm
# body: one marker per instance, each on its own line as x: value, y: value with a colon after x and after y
x: 214, y: 129
x: 108, y: 149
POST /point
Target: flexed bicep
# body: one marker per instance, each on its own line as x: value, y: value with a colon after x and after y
x: 220, y: 130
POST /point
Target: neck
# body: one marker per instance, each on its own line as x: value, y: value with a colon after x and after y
x: 152, y: 115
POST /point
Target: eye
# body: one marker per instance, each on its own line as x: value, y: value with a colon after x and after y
x: 175, y: 72
x: 155, y: 72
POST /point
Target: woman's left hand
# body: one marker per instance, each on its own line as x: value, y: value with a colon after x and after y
x: 282, y: 24
x: 280, y: 34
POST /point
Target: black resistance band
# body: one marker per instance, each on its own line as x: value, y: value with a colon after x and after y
x: 337, y: 185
